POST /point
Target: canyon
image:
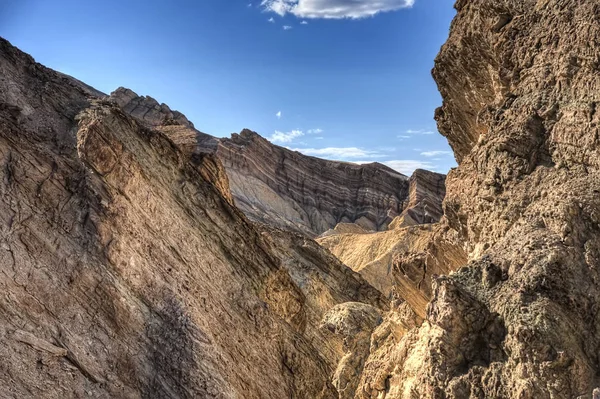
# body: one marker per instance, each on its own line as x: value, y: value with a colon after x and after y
x: 140, y: 257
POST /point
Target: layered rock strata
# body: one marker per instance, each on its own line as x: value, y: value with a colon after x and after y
x: 424, y: 204
x: 277, y: 186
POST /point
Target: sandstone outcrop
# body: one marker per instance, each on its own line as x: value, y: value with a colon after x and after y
x: 401, y: 263
x: 520, y: 85
x: 426, y: 193
x: 126, y: 272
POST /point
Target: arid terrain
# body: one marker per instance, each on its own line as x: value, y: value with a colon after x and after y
x: 283, y: 188
x: 142, y: 258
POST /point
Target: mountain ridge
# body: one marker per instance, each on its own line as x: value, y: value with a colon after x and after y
x: 278, y: 186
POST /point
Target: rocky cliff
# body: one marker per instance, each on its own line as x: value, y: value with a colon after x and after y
x: 126, y: 272
x: 520, y: 83
x: 274, y: 185
x: 286, y: 189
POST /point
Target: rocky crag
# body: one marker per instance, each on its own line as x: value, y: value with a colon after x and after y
x: 286, y: 189
x: 520, y: 84
x: 126, y: 271
x: 183, y: 297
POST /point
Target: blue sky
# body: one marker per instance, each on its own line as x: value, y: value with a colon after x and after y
x: 338, y: 79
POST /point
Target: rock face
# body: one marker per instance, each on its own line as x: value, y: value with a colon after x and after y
x: 171, y: 292
x: 285, y: 189
x: 520, y: 84
x: 276, y: 186
x: 426, y: 193
x: 401, y: 263
x: 126, y: 272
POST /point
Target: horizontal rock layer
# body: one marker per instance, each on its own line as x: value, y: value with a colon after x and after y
x: 277, y: 186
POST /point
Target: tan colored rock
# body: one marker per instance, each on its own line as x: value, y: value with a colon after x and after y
x: 345, y: 228
x: 400, y: 262
x: 354, y: 323
x: 519, y: 81
x: 426, y: 193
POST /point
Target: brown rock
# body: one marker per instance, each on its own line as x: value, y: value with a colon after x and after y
x: 120, y: 253
x: 519, y: 81
x: 285, y: 189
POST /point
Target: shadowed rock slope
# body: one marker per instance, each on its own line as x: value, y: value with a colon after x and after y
x: 126, y: 272
x: 285, y: 189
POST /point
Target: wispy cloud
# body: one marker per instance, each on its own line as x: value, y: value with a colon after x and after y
x: 303, y: 23
x: 411, y: 131
x: 278, y: 115
x: 338, y: 153
x: 334, y: 9
x: 314, y: 131
x: 285, y: 137
x: 435, y: 153
x: 286, y: 27
x: 271, y: 20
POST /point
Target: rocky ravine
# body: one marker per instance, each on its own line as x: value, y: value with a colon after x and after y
x: 517, y: 318
x: 286, y: 189
x: 126, y: 272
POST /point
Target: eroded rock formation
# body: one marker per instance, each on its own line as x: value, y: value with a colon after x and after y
x: 274, y: 185
x: 171, y: 292
x: 126, y: 271
x: 520, y: 84
x: 426, y: 193
x: 401, y: 262
x: 286, y: 189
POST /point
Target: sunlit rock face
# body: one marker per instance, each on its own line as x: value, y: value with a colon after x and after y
x: 520, y: 85
x: 283, y: 188
x: 126, y: 272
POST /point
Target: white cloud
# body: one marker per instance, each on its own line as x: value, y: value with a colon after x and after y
x: 278, y: 115
x: 338, y: 153
x: 271, y: 20
x: 286, y: 27
x: 334, y: 9
x: 285, y: 137
x: 410, y: 131
x: 303, y: 23
x: 401, y: 136
x: 435, y: 153
x: 314, y: 131
x: 319, y: 138
x: 406, y: 167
